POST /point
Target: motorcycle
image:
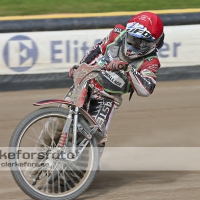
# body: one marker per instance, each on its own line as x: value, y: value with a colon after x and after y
x: 64, y: 166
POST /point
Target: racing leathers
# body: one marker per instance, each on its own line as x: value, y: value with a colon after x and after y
x: 141, y: 76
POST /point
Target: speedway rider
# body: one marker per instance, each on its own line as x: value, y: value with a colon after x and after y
x: 136, y: 44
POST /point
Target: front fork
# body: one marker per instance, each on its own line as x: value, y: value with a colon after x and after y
x: 63, y: 140
x: 75, y: 152
x: 75, y: 125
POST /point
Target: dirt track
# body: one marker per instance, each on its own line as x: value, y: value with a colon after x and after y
x: 168, y: 118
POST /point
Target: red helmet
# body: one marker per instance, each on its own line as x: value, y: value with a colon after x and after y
x: 144, y: 32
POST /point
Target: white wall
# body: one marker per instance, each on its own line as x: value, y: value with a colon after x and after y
x: 57, y: 51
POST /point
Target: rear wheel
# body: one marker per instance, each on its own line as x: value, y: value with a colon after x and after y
x: 48, y: 176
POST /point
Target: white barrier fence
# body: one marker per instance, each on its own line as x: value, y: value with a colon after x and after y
x: 57, y: 51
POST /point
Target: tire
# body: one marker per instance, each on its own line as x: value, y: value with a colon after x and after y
x: 21, y: 136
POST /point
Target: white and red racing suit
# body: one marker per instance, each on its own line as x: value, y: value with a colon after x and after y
x: 141, y: 78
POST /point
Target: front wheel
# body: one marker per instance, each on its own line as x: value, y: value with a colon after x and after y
x: 71, y: 179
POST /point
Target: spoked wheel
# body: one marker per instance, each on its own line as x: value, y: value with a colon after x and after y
x: 38, y: 167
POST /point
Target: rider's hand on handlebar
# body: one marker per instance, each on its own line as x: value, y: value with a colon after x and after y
x: 71, y: 71
x: 116, y: 65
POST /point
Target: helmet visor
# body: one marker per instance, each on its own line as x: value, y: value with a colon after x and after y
x: 138, y: 43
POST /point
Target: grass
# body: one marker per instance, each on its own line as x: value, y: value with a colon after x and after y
x: 34, y: 7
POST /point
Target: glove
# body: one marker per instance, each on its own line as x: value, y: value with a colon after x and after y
x: 71, y: 71
x: 115, y: 65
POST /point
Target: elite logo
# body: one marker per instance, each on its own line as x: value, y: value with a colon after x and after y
x: 20, y: 53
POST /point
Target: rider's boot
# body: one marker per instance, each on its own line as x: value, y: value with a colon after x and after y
x: 48, y: 138
x: 51, y: 132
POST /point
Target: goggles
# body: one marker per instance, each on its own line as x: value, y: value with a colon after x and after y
x: 138, y: 43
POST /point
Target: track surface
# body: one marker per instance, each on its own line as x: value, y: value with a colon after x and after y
x: 168, y: 118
